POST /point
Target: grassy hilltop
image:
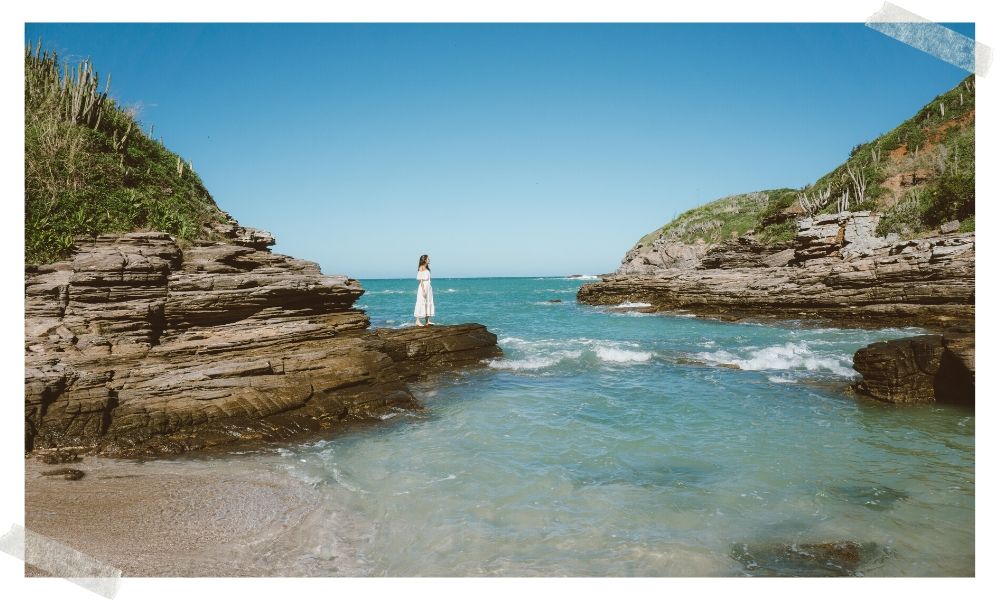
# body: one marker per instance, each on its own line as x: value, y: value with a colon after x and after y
x: 917, y: 176
x: 90, y: 168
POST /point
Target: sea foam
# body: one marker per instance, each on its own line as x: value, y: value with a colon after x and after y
x: 633, y: 305
x: 542, y: 354
x: 617, y: 355
x: 791, y: 356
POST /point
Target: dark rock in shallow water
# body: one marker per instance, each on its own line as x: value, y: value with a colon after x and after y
x: 658, y: 476
x: 919, y: 370
x: 821, y: 559
x: 68, y: 474
x: 58, y: 456
x: 555, y: 300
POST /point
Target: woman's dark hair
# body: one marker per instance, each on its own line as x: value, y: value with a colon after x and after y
x: 423, y: 262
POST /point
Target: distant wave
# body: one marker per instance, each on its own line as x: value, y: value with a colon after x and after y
x: 533, y: 363
x: 633, y: 305
x: 388, y: 292
x: 581, y: 277
x: 791, y: 356
x: 621, y: 356
x: 543, y: 354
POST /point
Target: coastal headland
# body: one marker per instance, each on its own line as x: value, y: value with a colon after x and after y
x: 835, y: 271
x: 135, y: 347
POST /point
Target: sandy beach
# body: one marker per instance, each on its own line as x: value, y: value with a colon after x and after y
x: 214, y: 517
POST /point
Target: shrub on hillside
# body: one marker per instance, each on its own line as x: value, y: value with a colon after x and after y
x: 89, y: 168
x: 952, y: 197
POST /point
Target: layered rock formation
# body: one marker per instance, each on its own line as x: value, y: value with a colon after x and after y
x: 836, y: 268
x: 920, y: 370
x: 654, y: 253
x: 135, y: 345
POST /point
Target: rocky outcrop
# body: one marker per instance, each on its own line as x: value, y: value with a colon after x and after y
x: 746, y: 252
x: 654, y: 254
x: 844, y: 235
x: 919, y: 370
x: 836, y: 269
x: 231, y: 230
x: 135, y: 346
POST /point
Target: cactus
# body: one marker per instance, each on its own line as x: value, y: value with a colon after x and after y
x: 859, y: 180
x: 76, y: 90
x: 844, y: 202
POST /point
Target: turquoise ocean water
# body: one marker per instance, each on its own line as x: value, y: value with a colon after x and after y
x: 612, y: 442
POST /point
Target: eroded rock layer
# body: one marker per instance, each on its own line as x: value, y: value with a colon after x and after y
x: 836, y: 269
x: 136, y: 346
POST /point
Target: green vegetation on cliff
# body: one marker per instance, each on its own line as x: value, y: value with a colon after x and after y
x: 89, y: 168
x: 918, y: 176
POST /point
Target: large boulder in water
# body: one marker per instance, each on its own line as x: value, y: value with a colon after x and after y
x: 919, y: 370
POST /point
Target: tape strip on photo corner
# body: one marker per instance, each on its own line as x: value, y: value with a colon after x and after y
x: 934, y: 39
x: 60, y: 560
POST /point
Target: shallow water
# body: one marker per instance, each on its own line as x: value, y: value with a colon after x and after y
x: 613, y: 442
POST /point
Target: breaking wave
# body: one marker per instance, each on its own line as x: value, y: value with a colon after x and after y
x: 791, y: 356
x: 528, y: 355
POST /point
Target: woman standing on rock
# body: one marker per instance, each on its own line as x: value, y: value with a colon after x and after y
x: 425, y: 295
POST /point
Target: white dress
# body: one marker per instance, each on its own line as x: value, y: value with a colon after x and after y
x: 425, y: 296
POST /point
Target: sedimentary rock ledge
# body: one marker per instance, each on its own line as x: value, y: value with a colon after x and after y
x: 135, y: 346
x: 835, y: 269
x: 920, y: 370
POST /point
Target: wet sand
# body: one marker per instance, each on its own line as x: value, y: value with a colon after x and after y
x: 214, y: 517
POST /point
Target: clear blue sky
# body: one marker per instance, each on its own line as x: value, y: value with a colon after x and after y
x: 499, y: 149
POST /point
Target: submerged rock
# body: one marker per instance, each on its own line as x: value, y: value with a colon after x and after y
x: 135, y: 346
x: 872, y: 497
x: 819, y: 559
x: 68, y: 474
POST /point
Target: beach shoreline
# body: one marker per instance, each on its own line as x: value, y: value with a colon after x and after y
x: 189, y: 518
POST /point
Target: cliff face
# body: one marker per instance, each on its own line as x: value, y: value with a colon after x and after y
x: 835, y: 268
x: 136, y: 346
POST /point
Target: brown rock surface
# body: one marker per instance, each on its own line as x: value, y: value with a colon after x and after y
x: 135, y: 346
x: 919, y: 370
x: 840, y: 271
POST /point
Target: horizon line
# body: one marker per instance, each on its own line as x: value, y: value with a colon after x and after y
x: 581, y: 276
